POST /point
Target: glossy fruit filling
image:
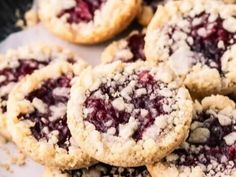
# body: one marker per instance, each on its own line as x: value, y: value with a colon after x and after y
x: 53, y: 120
x: 84, y: 11
x: 213, y: 149
x: 16, y: 73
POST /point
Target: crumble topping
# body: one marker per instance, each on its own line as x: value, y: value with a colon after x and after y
x: 201, y: 37
x: 14, y: 71
x: 49, y: 111
x: 131, y: 105
x: 130, y: 49
x: 77, y: 11
x: 211, y: 144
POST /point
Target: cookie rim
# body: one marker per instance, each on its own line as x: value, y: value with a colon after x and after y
x: 21, y: 134
x: 24, y: 53
x: 211, y: 81
x: 101, y: 32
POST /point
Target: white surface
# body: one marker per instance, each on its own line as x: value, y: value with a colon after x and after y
x: 39, y: 34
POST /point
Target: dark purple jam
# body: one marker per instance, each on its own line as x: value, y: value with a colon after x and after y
x: 136, y: 45
x: 14, y: 74
x: 214, y: 148
x: 104, y: 170
x: 41, y: 120
x: 103, y: 110
x: 207, y: 45
x: 84, y: 11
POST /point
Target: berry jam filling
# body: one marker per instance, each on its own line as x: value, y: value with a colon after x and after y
x: 84, y: 11
x: 209, y: 39
x: 136, y: 45
x: 116, y: 101
x: 13, y: 75
x: 104, y: 170
x: 53, y: 120
x: 213, y: 149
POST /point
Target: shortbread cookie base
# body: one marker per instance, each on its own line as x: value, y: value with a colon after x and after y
x: 165, y: 169
x: 110, y: 20
x: 41, y: 151
x: 121, y: 151
x: 38, y: 51
x: 200, y: 79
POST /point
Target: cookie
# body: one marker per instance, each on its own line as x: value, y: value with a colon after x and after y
x: 99, y: 170
x: 37, y: 117
x: 229, y: 1
x: 197, y: 40
x: 129, y: 49
x: 128, y: 114
x: 16, y: 64
x: 85, y: 21
x: 209, y: 150
x: 148, y: 9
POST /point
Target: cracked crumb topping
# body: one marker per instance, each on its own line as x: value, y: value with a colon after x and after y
x: 49, y: 111
x: 14, y: 71
x: 130, y: 49
x: 211, y: 143
x: 199, y: 35
x: 131, y: 105
x: 77, y: 11
x: 104, y: 170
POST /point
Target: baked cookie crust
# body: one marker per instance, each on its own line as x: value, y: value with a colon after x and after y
x: 17, y: 63
x: 197, y: 40
x: 138, y: 138
x: 147, y: 11
x: 210, y: 146
x: 37, y: 117
x: 112, y: 18
x: 129, y: 49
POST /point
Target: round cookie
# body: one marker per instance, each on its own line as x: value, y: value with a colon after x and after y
x: 127, y: 50
x: 99, y: 170
x: 148, y: 9
x: 209, y: 150
x: 37, y: 117
x: 85, y: 21
x: 197, y: 40
x: 128, y: 114
x: 16, y: 64
x: 229, y: 1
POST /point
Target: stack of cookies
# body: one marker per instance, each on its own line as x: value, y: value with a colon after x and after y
x: 160, y: 104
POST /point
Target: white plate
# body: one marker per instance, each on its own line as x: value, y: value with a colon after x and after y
x: 39, y: 34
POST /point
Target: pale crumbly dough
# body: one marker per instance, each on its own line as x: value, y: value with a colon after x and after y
x: 220, y: 105
x: 42, y: 151
x: 199, y: 78
x: 146, y: 12
x: 123, y: 150
x: 39, y: 52
x: 118, y: 50
x: 229, y: 1
x: 112, y: 18
x: 31, y: 19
